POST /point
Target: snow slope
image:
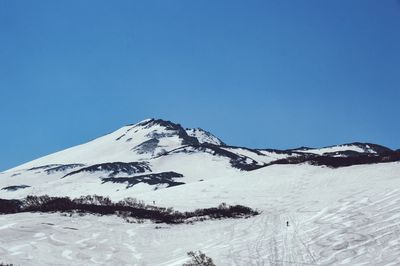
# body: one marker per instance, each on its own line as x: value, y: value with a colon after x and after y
x: 343, y: 216
x: 127, y: 144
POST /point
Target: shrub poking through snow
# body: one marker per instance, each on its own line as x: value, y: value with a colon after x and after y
x: 199, y: 259
x: 129, y: 209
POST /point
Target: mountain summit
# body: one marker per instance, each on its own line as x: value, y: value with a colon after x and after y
x: 142, y: 141
x: 156, y: 153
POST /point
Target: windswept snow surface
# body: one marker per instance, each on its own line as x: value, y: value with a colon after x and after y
x: 346, y: 216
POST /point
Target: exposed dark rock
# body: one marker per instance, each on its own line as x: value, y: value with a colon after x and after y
x: 164, y: 123
x: 63, y: 168
x: 335, y: 162
x: 43, y: 167
x: 115, y: 168
x: 238, y: 161
x: 176, y: 129
x: 15, y: 188
x: 164, y: 178
x: 148, y: 146
x: 120, y: 137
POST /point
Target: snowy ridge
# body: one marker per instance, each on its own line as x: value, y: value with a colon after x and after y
x: 135, y: 153
x: 204, y: 136
x: 340, y: 149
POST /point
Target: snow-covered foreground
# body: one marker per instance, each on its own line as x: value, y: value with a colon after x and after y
x: 346, y: 216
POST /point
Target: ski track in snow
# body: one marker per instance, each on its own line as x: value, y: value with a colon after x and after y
x: 331, y: 222
x: 355, y: 232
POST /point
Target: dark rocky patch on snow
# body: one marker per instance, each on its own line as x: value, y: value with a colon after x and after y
x: 120, y: 137
x: 43, y: 167
x: 63, y: 168
x: 148, y: 146
x: 115, y: 168
x: 335, y: 162
x: 15, y: 188
x: 238, y: 161
x: 164, y: 178
x: 176, y: 129
x: 164, y: 123
x: 71, y: 228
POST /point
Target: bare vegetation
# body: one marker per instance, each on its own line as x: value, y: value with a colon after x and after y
x: 129, y: 209
x: 199, y: 259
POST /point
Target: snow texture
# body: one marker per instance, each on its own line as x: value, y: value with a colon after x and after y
x: 336, y: 216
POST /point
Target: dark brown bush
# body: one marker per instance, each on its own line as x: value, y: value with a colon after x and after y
x: 127, y: 209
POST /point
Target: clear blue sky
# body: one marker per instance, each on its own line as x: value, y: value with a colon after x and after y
x: 275, y: 74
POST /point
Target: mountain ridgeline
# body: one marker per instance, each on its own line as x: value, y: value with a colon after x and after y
x: 155, y: 154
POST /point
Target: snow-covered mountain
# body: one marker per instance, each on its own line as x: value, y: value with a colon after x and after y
x: 155, y: 154
x: 341, y: 201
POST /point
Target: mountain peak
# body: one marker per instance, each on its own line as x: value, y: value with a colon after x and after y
x: 147, y: 123
x: 204, y: 136
x: 191, y: 136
